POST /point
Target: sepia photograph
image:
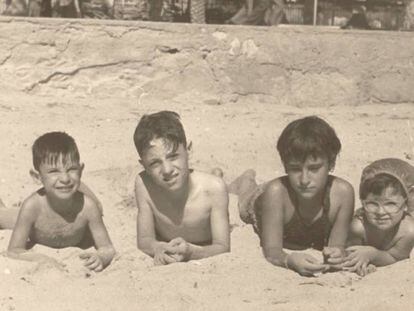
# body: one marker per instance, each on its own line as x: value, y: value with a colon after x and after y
x: 207, y: 155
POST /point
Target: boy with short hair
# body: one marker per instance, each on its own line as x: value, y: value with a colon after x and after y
x: 307, y: 208
x: 182, y: 213
x: 59, y: 215
x: 382, y: 231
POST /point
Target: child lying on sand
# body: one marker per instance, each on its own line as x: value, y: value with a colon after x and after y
x: 307, y: 208
x: 59, y: 215
x: 382, y: 231
x: 182, y: 213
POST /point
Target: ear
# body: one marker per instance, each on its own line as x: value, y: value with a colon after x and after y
x: 36, y: 176
x: 331, y: 165
x: 82, y: 166
x: 190, y: 146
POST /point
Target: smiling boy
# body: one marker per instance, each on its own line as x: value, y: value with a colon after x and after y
x: 59, y: 215
x: 182, y: 213
x: 382, y: 231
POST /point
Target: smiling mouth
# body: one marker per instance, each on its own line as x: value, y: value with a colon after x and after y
x: 65, y: 189
x: 170, y: 179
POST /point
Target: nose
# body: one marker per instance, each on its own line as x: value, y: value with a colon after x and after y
x: 167, y: 168
x: 304, y: 178
x: 64, y: 178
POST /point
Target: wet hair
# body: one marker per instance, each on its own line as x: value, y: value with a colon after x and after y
x: 52, y: 146
x: 378, y: 184
x: 162, y: 124
x: 309, y: 136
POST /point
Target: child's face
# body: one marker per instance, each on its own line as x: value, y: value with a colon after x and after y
x: 60, y: 180
x: 167, y: 167
x: 386, y: 210
x: 308, y: 178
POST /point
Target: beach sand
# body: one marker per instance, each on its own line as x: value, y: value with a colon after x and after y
x: 233, y: 136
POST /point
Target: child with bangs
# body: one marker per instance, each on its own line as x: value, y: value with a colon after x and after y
x: 382, y: 231
x: 306, y: 208
x: 64, y: 212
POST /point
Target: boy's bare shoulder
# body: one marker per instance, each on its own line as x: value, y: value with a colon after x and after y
x: 90, y: 207
x: 208, y: 182
x: 33, y: 202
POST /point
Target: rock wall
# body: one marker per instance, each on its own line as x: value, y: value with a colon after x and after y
x: 213, y: 64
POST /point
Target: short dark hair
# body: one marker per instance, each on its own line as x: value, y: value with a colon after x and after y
x: 50, y: 146
x: 377, y: 185
x: 162, y: 124
x: 308, y: 136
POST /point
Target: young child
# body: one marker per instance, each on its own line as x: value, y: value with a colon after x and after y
x: 182, y: 213
x: 382, y: 232
x: 307, y: 208
x: 59, y: 215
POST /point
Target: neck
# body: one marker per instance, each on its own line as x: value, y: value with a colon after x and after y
x: 179, y: 197
x: 59, y: 205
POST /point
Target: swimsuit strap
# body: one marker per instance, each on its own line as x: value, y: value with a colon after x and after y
x: 326, y: 204
x: 326, y: 207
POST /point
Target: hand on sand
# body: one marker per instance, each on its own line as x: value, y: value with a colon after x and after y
x: 164, y: 254
x: 92, y: 261
x: 305, y: 264
x: 358, y: 259
x: 179, y: 249
x: 334, y: 257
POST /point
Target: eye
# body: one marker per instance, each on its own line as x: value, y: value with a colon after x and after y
x: 154, y: 163
x: 173, y: 156
x: 294, y: 169
x: 314, y: 168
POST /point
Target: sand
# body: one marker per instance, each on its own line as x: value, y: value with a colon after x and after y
x: 233, y: 136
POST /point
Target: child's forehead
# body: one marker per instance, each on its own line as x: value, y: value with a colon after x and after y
x: 307, y: 159
x: 389, y: 193
x: 163, y: 145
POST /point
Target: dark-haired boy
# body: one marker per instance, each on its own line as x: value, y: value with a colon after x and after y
x: 59, y: 215
x: 182, y: 213
x: 382, y: 231
x: 306, y: 208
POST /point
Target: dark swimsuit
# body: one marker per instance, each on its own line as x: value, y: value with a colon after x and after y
x: 302, y: 234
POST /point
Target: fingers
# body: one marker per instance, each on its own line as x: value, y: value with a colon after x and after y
x: 176, y: 241
x: 352, y: 248
x: 163, y: 259
x: 168, y: 259
x: 85, y: 255
x: 311, y: 265
x: 92, y: 261
x: 335, y: 260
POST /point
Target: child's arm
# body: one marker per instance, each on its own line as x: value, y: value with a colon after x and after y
x: 146, y: 239
x: 105, y: 250
x: 17, y: 245
x: 343, y: 193
x: 362, y: 255
x: 272, y: 234
x: 219, y: 220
